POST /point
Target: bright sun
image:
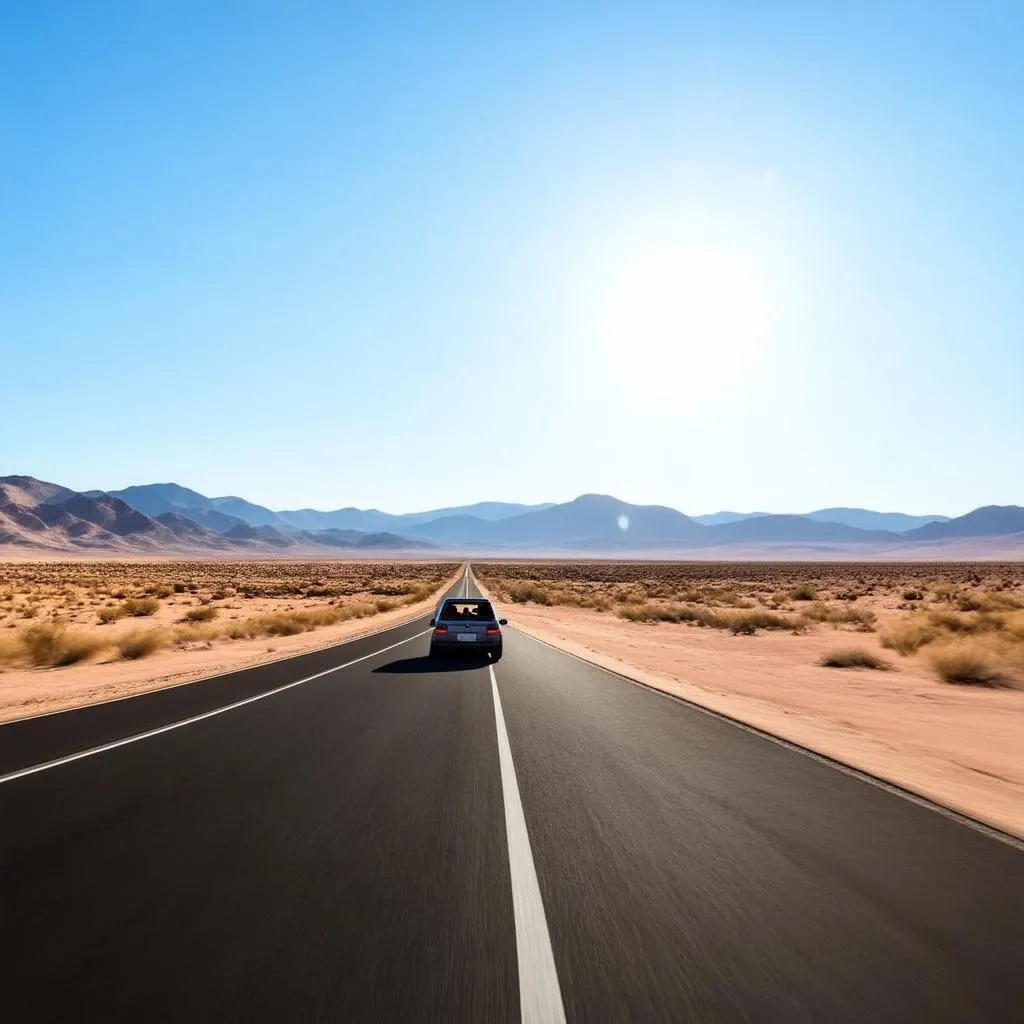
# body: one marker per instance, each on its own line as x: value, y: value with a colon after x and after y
x: 683, y: 314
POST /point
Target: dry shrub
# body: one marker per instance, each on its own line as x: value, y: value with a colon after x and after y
x: 908, y: 635
x: 750, y: 621
x: 523, y: 593
x: 109, y: 614
x: 140, y: 606
x: 11, y: 650
x: 289, y: 623
x: 967, y: 663
x: 196, y: 632
x: 698, y: 615
x: 954, y: 622
x: 651, y: 612
x: 138, y: 643
x: 738, y: 621
x: 637, y: 612
x: 355, y: 610
x: 861, y: 618
x: 278, y: 624
x: 803, y: 592
x: 54, y: 645
x: 1012, y: 626
x: 989, y: 602
x: 204, y: 613
x: 853, y: 657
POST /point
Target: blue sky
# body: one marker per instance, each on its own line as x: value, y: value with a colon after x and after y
x: 712, y: 255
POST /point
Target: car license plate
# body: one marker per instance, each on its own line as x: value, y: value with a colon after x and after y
x: 466, y: 637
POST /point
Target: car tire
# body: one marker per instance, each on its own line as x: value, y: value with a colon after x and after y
x: 434, y: 652
x: 496, y: 653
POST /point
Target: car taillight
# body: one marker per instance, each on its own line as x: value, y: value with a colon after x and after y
x: 493, y: 631
x: 440, y: 629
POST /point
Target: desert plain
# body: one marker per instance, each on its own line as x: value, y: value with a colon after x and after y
x: 912, y: 672
x: 76, y: 631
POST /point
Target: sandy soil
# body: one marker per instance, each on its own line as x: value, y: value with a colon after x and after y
x: 28, y: 692
x: 961, y: 747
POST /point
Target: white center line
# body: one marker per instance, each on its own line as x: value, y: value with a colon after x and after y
x: 540, y: 998
x: 11, y: 776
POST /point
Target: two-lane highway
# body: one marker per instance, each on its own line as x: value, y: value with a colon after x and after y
x: 363, y: 834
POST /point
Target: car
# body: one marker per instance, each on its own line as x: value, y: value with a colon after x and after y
x: 466, y: 624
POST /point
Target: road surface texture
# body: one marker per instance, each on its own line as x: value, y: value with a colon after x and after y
x: 533, y: 840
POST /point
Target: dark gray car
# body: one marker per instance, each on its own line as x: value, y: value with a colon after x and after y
x: 466, y: 624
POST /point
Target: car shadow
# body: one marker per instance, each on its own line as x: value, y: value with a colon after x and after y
x: 423, y: 665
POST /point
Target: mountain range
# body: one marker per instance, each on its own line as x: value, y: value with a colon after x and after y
x: 167, y: 518
x: 862, y: 518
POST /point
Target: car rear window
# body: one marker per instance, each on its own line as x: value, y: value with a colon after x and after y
x: 468, y: 611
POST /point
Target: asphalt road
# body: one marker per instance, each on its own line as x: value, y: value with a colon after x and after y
x: 535, y: 840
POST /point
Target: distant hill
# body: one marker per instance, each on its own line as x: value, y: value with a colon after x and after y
x: 455, y: 529
x: 861, y: 518
x: 590, y: 518
x: 274, y: 536
x: 243, y: 532
x: 793, y: 529
x: 109, y: 513
x: 865, y: 519
x: 39, y: 516
x: 373, y: 519
x: 154, y: 499
x: 489, y: 511
x: 719, y: 518
x: 363, y: 520
x: 27, y: 491
x: 390, y: 542
x: 188, y: 530
x: 988, y: 521
x: 55, y: 522
x: 212, y: 519
x: 254, y: 515
x: 358, y: 539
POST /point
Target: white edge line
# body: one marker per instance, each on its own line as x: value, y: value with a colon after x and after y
x: 22, y: 772
x: 857, y: 773
x: 540, y: 998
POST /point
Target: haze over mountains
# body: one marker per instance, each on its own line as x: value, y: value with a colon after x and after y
x: 36, y: 516
x: 862, y: 518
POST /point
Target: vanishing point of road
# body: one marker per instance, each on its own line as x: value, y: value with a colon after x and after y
x: 359, y: 834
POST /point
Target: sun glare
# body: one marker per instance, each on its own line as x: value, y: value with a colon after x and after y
x: 674, y: 314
